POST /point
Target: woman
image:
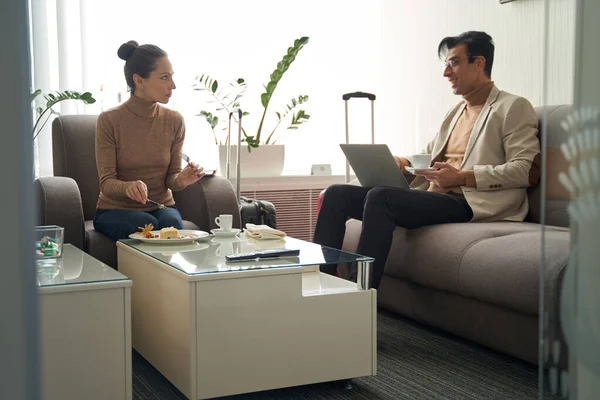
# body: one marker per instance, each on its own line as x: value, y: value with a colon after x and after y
x: 138, y: 149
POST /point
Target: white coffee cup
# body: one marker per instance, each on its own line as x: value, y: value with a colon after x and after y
x: 420, y: 161
x: 224, y: 221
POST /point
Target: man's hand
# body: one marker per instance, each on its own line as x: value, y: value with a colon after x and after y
x: 445, y: 176
x: 137, y: 191
x: 190, y: 174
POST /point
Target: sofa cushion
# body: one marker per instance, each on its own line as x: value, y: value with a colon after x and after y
x: 496, y: 262
x: 99, y: 246
x: 189, y: 225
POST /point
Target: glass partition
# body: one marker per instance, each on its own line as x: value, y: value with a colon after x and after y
x: 570, y: 289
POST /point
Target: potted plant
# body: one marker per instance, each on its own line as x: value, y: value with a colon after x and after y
x: 228, y: 99
x: 51, y: 100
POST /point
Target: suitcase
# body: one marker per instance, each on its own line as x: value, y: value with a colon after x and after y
x: 347, y: 97
x: 258, y: 212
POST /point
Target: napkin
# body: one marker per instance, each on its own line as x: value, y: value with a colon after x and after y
x: 264, y: 232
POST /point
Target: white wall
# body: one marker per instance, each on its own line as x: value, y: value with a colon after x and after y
x: 416, y: 97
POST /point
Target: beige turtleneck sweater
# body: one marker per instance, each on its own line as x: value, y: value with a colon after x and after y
x: 138, y: 140
x: 454, y: 152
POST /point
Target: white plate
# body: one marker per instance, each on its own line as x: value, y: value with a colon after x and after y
x: 222, y: 233
x: 412, y: 169
x: 171, y: 248
x: 195, y: 235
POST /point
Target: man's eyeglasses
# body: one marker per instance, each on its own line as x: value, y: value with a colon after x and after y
x: 454, y: 62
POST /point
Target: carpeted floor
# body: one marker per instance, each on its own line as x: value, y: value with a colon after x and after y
x: 413, y: 362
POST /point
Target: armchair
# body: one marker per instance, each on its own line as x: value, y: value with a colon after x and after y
x: 69, y: 197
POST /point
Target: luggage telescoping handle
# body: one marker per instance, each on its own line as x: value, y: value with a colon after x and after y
x: 347, y: 97
x: 239, y: 147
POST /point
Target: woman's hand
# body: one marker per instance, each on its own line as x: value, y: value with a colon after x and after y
x: 190, y: 174
x: 137, y: 191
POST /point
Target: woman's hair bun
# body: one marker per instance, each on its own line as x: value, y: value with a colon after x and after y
x: 126, y: 49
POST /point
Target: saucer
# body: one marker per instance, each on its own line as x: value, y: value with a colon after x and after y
x: 222, y: 233
x: 412, y: 169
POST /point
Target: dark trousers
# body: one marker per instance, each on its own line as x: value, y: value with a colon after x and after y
x: 119, y: 224
x: 381, y: 209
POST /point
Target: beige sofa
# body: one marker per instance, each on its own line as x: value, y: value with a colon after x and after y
x: 481, y: 281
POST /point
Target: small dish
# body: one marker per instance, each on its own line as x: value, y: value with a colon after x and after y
x: 222, y: 233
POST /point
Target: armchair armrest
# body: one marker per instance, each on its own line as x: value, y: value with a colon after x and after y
x: 60, y: 204
x: 206, y: 199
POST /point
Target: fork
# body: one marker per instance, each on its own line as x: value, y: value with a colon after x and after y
x: 159, y: 205
x: 185, y: 158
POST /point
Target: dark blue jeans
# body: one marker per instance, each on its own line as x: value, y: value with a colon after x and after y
x: 381, y: 209
x: 119, y: 224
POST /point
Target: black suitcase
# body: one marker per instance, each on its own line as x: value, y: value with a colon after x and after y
x: 257, y: 212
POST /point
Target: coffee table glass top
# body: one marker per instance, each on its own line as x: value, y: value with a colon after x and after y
x: 205, y: 257
x: 74, y: 267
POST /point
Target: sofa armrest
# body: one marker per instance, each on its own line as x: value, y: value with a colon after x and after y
x: 60, y: 204
x: 206, y: 199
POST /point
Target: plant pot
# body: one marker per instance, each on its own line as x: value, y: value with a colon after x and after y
x: 264, y: 161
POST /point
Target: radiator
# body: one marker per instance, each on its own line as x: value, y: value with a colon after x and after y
x: 296, y: 209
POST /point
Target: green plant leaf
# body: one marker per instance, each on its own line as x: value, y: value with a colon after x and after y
x: 276, y: 75
x: 214, y: 86
x: 51, y: 100
x: 264, y: 99
x: 35, y: 94
x: 87, y: 98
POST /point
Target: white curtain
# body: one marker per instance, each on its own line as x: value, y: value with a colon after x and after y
x: 58, y: 41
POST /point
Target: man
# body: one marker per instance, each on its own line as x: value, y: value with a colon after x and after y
x: 485, y: 155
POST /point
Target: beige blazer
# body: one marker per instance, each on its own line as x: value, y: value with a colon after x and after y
x: 500, y: 151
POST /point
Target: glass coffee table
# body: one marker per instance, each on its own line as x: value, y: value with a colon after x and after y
x: 217, y: 328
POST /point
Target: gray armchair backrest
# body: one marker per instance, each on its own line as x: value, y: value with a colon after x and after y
x: 74, y: 156
x: 556, y: 196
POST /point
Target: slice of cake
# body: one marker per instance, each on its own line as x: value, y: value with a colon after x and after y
x: 169, y: 233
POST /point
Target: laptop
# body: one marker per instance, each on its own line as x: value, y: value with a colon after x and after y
x: 374, y: 165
